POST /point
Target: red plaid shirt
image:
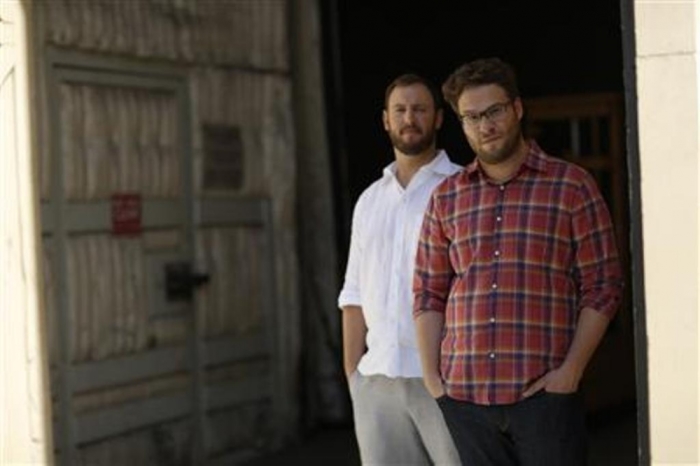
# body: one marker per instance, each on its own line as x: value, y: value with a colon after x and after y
x: 511, y: 266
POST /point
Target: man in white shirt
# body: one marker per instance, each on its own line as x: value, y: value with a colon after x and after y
x: 396, y: 420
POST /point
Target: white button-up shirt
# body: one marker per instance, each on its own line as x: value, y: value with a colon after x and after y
x: 385, y: 229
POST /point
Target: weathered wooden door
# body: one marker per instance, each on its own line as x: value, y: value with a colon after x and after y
x: 162, y: 347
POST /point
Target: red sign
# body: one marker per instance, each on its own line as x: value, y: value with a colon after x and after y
x: 126, y: 214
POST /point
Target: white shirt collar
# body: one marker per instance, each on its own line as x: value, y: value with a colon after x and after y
x: 440, y: 165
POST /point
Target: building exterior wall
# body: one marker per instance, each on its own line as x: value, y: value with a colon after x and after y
x: 668, y: 107
x: 324, y: 383
x: 25, y: 436
x: 668, y: 70
x: 236, y: 57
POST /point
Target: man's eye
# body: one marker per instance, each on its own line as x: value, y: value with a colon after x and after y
x: 471, y: 117
x: 494, y: 112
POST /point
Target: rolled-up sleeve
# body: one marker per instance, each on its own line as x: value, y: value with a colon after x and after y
x: 433, y: 271
x: 596, y: 255
x: 351, y: 294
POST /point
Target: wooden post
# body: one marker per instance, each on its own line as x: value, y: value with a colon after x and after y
x: 25, y: 433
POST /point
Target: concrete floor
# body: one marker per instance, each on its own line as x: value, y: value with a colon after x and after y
x: 612, y: 442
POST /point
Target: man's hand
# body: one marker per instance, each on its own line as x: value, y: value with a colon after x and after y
x: 434, y: 385
x: 349, y: 372
x: 561, y: 380
x: 429, y: 325
x: 565, y: 379
x: 354, y: 334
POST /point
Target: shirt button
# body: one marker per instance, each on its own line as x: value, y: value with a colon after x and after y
x: 492, y: 355
x: 502, y: 188
x: 499, y: 218
x: 494, y: 286
x: 492, y: 320
x: 497, y: 253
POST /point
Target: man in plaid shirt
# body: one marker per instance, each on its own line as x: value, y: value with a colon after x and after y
x: 516, y: 279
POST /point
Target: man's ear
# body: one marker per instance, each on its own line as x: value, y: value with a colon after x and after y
x: 518, y: 107
x: 439, y: 117
x: 385, y: 119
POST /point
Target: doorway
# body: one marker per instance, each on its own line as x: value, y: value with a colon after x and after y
x: 570, y: 66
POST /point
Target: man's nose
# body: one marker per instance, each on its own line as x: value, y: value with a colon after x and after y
x: 485, y: 125
x: 410, y: 116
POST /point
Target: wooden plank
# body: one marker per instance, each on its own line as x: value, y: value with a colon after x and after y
x: 225, y: 395
x: 129, y: 369
x: 571, y: 106
x: 83, y: 217
x: 104, y: 423
x: 231, y: 349
x: 239, y: 212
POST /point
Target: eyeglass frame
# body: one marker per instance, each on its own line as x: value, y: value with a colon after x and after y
x: 492, y: 114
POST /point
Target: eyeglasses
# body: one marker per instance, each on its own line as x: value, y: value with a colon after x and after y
x: 494, y: 113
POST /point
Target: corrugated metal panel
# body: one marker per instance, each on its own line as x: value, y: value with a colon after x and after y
x: 109, y: 307
x: 260, y: 107
x: 245, y: 33
x: 232, y: 302
x: 123, y: 139
x: 241, y: 428
x: 168, y: 443
x: 118, y: 140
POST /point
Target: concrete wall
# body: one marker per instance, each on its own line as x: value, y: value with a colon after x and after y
x: 24, y: 413
x: 668, y: 102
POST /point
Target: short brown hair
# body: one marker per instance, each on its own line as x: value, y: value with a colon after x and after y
x: 410, y: 79
x: 480, y: 72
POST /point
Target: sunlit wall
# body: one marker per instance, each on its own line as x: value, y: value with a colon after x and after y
x: 668, y: 103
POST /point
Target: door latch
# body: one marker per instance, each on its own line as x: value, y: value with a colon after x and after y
x: 181, y: 281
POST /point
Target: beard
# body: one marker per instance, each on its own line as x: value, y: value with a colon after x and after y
x: 509, y: 143
x: 415, y: 147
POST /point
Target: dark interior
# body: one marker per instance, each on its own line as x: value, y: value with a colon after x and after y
x: 558, y: 49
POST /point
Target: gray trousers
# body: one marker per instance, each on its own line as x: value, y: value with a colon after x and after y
x: 397, y: 422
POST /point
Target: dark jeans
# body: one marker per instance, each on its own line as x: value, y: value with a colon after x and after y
x: 546, y: 429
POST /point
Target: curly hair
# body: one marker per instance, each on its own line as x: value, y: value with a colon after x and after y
x: 480, y: 72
